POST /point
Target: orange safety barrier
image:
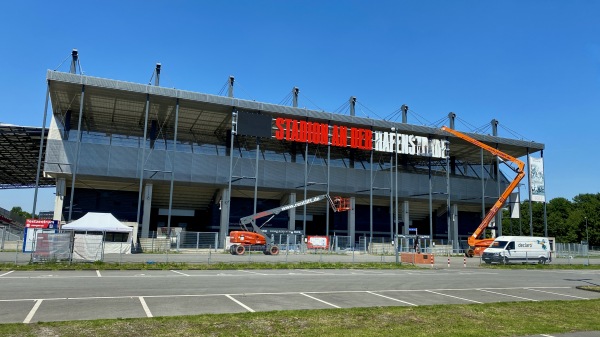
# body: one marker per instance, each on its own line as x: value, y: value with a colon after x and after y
x: 416, y: 258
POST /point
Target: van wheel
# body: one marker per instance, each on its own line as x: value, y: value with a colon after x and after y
x: 542, y: 260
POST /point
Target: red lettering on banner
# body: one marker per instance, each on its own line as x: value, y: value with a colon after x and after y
x: 302, y: 133
x: 368, y: 140
x: 318, y: 133
x: 289, y: 122
x: 335, y: 136
x: 353, y: 138
x: 279, y: 133
x: 324, y: 134
x: 294, y: 130
x: 339, y: 136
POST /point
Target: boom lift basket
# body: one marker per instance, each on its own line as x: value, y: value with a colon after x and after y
x: 341, y: 204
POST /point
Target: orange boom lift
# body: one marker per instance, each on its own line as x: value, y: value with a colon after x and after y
x: 476, y: 245
x: 255, y: 238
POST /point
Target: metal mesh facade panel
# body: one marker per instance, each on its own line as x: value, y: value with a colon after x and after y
x: 93, y: 159
x: 123, y: 162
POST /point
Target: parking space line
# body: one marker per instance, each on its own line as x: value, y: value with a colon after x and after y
x: 391, y: 298
x: 32, y: 312
x: 312, y: 271
x: 98, y: 273
x: 180, y: 273
x: 497, y: 293
x: 460, y: 298
x: 240, y: 303
x: 252, y: 272
x: 145, y: 306
x: 316, y: 299
x: 549, y: 292
x: 7, y: 273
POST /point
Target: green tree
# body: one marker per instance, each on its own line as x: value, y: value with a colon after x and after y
x: 587, y: 207
x: 560, y: 225
x: 17, y: 210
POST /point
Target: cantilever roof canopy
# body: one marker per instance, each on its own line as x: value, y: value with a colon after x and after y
x: 112, y: 106
x: 19, y: 152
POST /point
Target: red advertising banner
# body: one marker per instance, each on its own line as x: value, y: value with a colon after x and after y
x: 40, y: 223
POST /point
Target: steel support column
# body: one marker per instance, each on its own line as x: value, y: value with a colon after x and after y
x: 172, y: 160
x: 530, y: 194
x: 226, y: 199
x: 39, y: 164
x: 142, y: 163
x: 78, y: 148
x: 371, y: 199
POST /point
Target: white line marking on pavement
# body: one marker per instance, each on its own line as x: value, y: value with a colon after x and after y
x: 32, y: 312
x: 312, y: 271
x: 180, y: 273
x: 34, y: 299
x: 493, y: 292
x: 391, y: 298
x: 460, y: 298
x: 98, y: 273
x: 549, y: 292
x: 7, y: 273
x: 240, y: 303
x: 546, y: 335
x: 316, y: 299
x: 145, y: 306
x: 252, y: 272
x: 370, y: 272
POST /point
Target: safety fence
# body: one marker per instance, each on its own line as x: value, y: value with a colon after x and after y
x: 206, y: 247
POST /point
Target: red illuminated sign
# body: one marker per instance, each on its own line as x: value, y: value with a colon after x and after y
x: 318, y: 133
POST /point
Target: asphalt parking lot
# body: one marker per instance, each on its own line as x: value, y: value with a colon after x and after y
x: 35, y: 296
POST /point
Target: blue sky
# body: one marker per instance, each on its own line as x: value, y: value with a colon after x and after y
x: 533, y: 65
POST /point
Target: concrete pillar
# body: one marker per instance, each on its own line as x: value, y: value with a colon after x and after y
x: 455, y: 243
x: 147, y: 208
x: 61, y: 187
x: 352, y: 221
x: 292, y: 213
x: 224, y: 223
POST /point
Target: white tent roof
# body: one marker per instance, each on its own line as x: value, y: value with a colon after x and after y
x: 98, y: 222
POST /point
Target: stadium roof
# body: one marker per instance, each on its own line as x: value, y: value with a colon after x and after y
x: 19, y: 152
x: 204, y: 116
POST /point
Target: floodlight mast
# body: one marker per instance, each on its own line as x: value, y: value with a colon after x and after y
x: 476, y: 245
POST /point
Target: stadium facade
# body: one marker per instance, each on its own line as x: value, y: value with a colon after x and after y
x: 165, y: 157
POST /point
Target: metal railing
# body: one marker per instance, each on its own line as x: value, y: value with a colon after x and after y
x: 206, y: 247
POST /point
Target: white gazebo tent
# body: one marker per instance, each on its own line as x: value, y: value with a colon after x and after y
x: 92, y: 247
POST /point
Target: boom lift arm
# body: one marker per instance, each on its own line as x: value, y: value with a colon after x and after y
x: 477, y: 246
x: 257, y: 237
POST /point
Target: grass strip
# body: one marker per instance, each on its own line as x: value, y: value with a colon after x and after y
x: 473, y: 320
x: 99, y: 265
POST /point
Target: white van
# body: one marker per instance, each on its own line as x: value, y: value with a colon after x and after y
x: 519, y: 249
